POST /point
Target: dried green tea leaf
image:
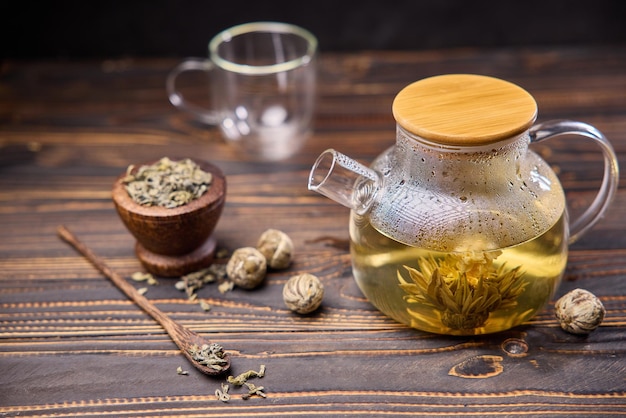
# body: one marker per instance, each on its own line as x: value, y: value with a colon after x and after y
x: 140, y: 276
x: 211, y: 355
x: 167, y: 183
x: 192, y: 282
x: 253, y: 390
x: 226, y: 286
x: 243, y: 377
x: 222, y: 394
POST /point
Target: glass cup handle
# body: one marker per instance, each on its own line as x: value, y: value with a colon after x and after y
x: 176, y: 97
x: 603, y: 199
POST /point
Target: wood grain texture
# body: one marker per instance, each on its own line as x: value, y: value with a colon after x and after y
x: 72, y: 344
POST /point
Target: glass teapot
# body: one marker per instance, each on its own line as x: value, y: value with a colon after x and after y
x: 460, y: 228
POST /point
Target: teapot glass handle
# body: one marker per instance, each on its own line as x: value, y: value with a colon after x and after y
x: 603, y: 199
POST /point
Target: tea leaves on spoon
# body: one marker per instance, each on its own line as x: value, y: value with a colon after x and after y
x: 211, y: 355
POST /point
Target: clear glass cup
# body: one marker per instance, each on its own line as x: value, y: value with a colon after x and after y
x: 262, y: 78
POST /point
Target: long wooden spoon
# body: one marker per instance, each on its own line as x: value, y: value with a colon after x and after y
x: 188, y: 341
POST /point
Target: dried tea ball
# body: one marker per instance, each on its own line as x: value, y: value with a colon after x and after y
x: 246, y: 267
x: 579, y: 311
x: 303, y: 293
x: 277, y: 248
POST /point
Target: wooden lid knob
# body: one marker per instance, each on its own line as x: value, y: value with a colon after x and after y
x: 464, y: 109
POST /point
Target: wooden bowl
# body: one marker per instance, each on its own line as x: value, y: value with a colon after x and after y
x: 174, y: 241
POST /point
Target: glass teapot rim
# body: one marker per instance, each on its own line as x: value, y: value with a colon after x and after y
x: 461, y: 148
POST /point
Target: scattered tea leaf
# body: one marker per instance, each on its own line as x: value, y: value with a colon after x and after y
x: 243, y: 377
x: 205, y: 305
x: 226, y: 286
x: 140, y: 276
x: 222, y: 394
x: 253, y: 390
x: 192, y: 282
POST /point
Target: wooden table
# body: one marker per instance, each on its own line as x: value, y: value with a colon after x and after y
x: 72, y: 344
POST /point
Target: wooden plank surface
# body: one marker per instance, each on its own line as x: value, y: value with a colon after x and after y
x: 72, y: 344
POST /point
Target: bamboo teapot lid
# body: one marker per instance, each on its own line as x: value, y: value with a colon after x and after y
x: 464, y: 109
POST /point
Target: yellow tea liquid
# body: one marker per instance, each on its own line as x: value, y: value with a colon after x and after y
x: 457, y: 293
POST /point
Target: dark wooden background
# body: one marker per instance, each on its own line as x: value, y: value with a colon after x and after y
x: 157, y: 28
x: 72, y: 344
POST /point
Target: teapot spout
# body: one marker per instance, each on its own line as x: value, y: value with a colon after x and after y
x: 345, y: 181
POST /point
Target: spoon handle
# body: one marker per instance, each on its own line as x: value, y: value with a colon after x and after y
x: 118, y: 280
x: 183, y: 337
